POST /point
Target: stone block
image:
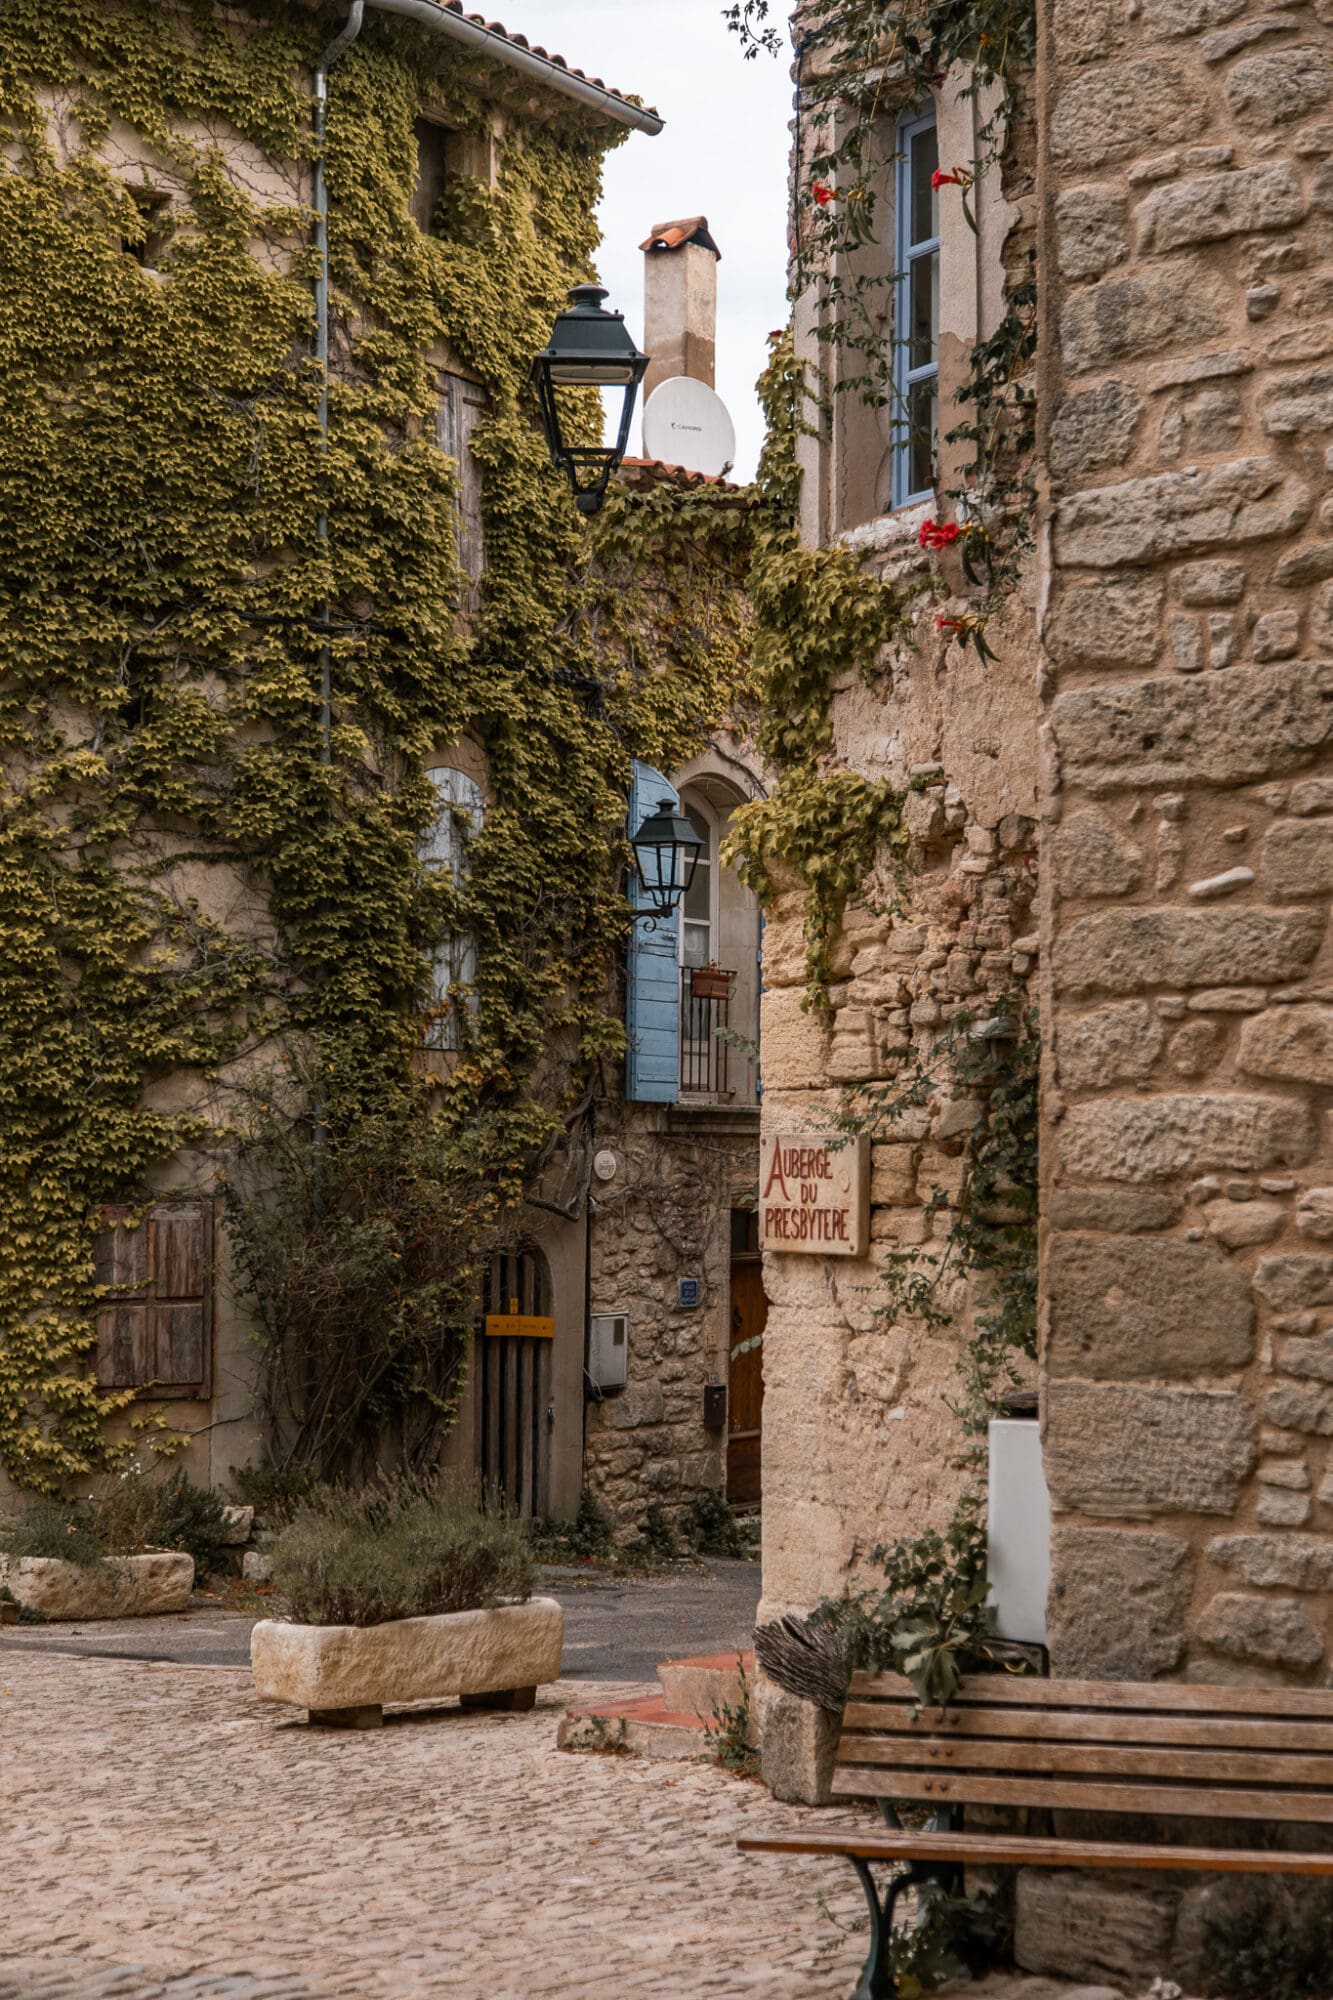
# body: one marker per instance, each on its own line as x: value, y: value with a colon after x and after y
x: 1117, y: 1604
x: 1093, y: 429
x: 1123, y: 108
x: 1078, y: 1926
x: 1276, y: 1562
x: 1209, y: 583
x: 1177, y: 513
x: 1298, y: 858
x: 1118, y: 1209
x: 1137, y: 1139
x: 795, y: 1042
x: 1131, y: 1306
x: 1309, y: 1359
x: 1090, y: 231
x: 1294, y: 1281
x: 1277, y: 635
x: 1219, y: 729
x: 1295, y: 404
x: 1092, y: 857
x: 1278, y: 1509
x: 1314, y: 1214
x: 1126, y: 950
x: 1270, y: 1631
x: 408, y: 1659
x: 1114, y: 1044
x: 1219, y: 205
x: 1109, y: 622
x: 1239, y: 1225
x: 1170, y: 18
x: 1310, y: 564
x: 1269, y: 91
x: 256, y: 1567
x: 238, y: 1525
x: 1297, y: 1408
x: 800, y: 1742
x: 1293, y: 1044
x: 1120, y: 1450
x: 892, y: 1176
x: 1140, y: 312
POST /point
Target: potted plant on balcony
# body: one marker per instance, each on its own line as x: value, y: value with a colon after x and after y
x: 403, y: 1592
x: 710, y: 982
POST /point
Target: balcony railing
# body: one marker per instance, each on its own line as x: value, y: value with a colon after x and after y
x: 705, y: 1001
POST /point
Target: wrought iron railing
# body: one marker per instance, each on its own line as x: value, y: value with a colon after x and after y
x: 705, y: 1001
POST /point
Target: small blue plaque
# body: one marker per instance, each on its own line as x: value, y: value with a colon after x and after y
x: 688, y: 1293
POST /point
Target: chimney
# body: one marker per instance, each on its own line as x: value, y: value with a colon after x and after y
x: 679, y: 301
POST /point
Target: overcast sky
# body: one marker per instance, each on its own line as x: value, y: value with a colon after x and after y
x: 723, y: 154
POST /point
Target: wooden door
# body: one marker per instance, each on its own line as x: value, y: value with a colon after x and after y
x: 745, y: 1382
x: 517, y: 1411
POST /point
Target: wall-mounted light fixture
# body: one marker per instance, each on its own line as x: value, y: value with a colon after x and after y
x: 589, y: 348
x: 666, y: 850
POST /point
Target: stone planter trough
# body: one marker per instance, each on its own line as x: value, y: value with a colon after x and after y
x: 344, y: 1674
x: 122, y: 1587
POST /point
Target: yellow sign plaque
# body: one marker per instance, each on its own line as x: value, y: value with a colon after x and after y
x: 526, y: 1326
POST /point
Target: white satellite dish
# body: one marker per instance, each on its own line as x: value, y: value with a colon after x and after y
x: 686, y: 423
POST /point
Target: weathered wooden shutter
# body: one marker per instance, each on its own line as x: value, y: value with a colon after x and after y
x: 154, y: 1331
x: 462, y: 406
x: 652, y: 986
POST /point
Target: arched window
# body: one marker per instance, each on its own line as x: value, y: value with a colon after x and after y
x: 698, y: 917
x: 916, y: 316
x: 462, y: 807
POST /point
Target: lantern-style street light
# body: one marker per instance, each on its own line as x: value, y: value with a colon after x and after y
x: 589, y: 348
x: 666, y: 849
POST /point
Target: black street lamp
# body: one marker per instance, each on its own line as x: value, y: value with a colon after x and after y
x: 666, y: 849
x: 588, y: 349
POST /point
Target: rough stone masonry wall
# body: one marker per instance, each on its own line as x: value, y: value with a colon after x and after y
x: 860, y: 1444
x: 1187, y: 289
x: 664, y: 1216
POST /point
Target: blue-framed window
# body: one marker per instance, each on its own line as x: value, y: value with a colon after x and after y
x: 916, y: 316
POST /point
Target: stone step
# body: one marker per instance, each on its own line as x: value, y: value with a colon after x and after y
x: 645, y: 1727
x: 707, y: 1683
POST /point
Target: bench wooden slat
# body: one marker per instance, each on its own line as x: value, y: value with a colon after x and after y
x: 961, y: 1754
x: 865, y: 1781
x: 1019, y: 1850
x: 900, y: 1719
x: 1028, y: 1691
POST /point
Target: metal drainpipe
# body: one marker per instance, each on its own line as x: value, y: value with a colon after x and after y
x: 337, y: 48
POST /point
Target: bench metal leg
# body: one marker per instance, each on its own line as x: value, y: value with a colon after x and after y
x: 876, y: 1981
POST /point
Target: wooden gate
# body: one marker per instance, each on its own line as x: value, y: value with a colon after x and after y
x: 515, y: 1369
x: 745, y: 1373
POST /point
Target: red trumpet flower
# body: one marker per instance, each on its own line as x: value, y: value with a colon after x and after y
x: 938, y: 534
x: 823, y: 195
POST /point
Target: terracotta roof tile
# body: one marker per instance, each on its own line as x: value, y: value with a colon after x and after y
x: 521, y: 42
x: 645, y: 472
x: 672, y: 235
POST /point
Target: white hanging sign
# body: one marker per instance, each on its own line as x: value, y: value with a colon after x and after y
x: 814, y: 1193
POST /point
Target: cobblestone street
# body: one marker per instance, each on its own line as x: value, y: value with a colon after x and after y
x: 164, y: 1836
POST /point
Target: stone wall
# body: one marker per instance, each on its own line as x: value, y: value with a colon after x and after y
x: 1187, y: 390
x: 664, y: 1215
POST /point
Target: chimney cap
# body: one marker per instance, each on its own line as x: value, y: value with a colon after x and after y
x: 675, y: 235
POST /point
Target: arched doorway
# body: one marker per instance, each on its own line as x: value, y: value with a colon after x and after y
x: 517, y: 1412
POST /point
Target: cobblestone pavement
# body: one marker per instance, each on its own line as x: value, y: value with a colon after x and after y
x: 165, y: 1836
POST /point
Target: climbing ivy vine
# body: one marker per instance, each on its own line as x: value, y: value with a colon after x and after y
x: 206, y: 922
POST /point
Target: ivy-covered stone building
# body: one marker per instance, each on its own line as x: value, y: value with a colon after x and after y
x: 1060, y: 605
x: 323, y: 711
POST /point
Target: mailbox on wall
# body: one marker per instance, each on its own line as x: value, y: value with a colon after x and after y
x: 608, y: 1350
x: 1018, y: 1559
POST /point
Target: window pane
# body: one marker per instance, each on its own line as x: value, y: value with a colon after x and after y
x: 921, y: 444
x: 696, y: 939
x: 925, y: 158
x: 924, y: 309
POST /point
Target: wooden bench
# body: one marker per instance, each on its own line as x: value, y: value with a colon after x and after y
x: 1214, y: 1753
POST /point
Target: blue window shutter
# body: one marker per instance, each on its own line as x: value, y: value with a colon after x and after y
x: 652, y: 987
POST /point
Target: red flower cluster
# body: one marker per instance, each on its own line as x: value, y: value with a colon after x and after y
x: 938, y: 534
x: 957, y: 178
x: 823, y: 195
x: 943, y: 624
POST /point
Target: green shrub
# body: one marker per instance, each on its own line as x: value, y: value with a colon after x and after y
x: 655, y: 1541
x: 1269, y: 1942
x: 274, y: 1491
x: 588, y: 1538
x: 53, y: 1529
x: 399, y: 1549
x: 711, y: 1529
x: 141, y: 1513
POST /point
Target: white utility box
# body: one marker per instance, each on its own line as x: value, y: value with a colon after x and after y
x: 608, y: 1350
x: 1019, y: 1530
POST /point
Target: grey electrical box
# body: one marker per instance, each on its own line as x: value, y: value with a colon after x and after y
x: 608, y: 1350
